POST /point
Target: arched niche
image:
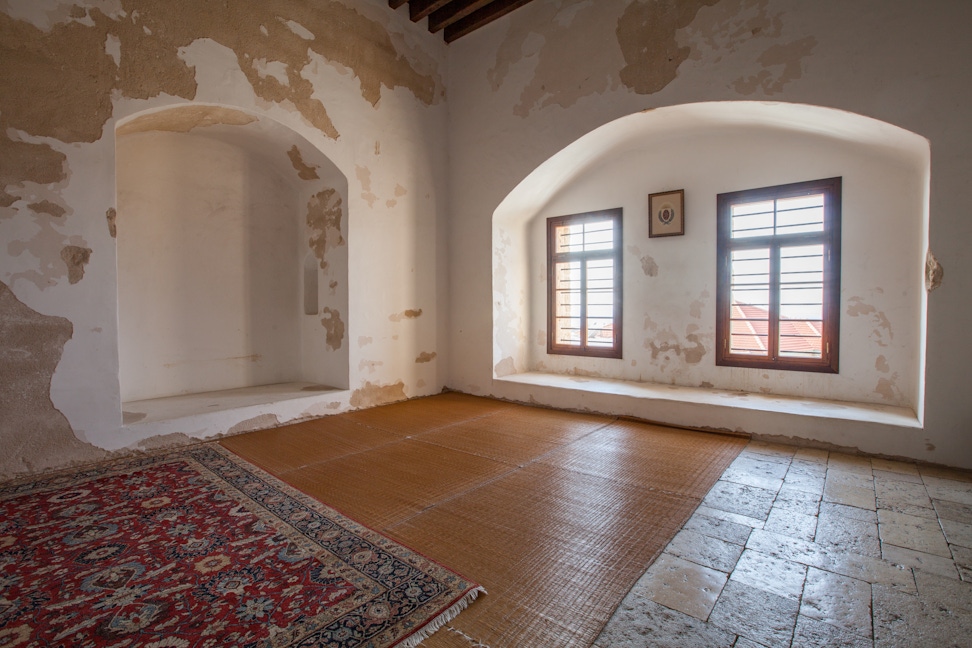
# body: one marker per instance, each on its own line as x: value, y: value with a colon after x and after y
x: 669, y: 283
x: 232, y: 255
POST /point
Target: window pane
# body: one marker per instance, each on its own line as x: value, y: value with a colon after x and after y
x: 567, y: 302
x: 752, y: 219
x: 569, y: 238
x: 599, y: 235
x: 600, y: 303
x: 801, y: 301
x: 749, y: 298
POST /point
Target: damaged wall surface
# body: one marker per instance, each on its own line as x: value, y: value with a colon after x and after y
x: 349, y: 84
x: 531, y: 87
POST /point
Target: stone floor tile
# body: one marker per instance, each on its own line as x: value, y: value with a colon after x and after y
x: 846, y: 478
x: 775, y: 575
x: 953, y: 511
x: 726, y: 516
x: 939, y: 616
x: 640, y: 623
x: 852, y: 512
x: 859, y: 464
x: 811, y: 633
x: 837, y: 560
x: 791, y: 498
x: 847, y: 534
x: 790, y: 523
x: 958, y: 533
x: 716, y: 528
x: 839, y: 600
x: 809, y: 482
x: 705, y: 551
x: 743, y: 642
x: 756, y: 472
x: 771, y: 451
x: 920, y: 560
x: 681, y: 585
x: 891, y: 466
x: 840, y: 492
x: 896, y: 476
x: 963, y: 559
x: 943, y: 472
x: 740, y: 499
x: 912, y: 532
x: 949, y: 489
x: 756, y: 614
x: 899, y: 493
x: 811, y: 455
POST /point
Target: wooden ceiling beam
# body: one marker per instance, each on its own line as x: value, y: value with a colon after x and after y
x: 419, y: 9
x: 395, y: 4
x: 453, y: 11
x: 476, y: 18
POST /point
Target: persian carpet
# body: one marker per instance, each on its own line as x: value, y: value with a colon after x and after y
x: 200, y: 548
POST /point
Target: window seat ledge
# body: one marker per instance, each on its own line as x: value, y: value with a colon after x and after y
x: 712, y: 409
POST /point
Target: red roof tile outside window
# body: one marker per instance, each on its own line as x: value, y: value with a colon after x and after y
x: 777, y: 305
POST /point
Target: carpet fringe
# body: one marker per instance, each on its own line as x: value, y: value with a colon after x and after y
x: 445, y: 617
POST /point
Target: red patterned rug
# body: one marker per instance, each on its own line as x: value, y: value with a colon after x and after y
x: 198, y: 548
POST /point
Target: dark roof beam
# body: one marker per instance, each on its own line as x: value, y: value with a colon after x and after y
x: 454, y: 11
x: 395, y: 4
x: 477, y: 18
x: 419, y: 9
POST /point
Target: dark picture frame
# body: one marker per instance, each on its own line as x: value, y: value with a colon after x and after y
x: 666, y: 213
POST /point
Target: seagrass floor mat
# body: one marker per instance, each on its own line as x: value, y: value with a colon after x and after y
x: 556, y: 514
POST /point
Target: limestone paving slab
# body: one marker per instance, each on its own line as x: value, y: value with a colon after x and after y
x: 838, y: 600
x: 706, y: 551
x: 958, y: 533
x: 740, y: 499
x: 720, y: 529
x: 756, y: 614
x: 848, y: 534
x: 813, y: 633
x: 920, y: 560
x: 735, y: 518
x: 912, y: 532
x: 953, y: 511
x: 792, y: 524
x: 641, y: 623
x: 770, y: 573
x: 682, y: 585
x: 794, y: 499
x: 841, y: 492
x: 897, y: 467
x: 938, y: 617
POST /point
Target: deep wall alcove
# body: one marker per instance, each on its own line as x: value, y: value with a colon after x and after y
x: 670, y: 283
x: 232, y: 255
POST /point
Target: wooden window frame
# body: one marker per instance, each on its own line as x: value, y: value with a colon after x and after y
x: 614, y: 351
x: 830, y: 238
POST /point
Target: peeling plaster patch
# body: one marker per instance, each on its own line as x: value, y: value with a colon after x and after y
x: 934, y: 272
x: 75, y: 258
x: 364, y: 177
x: 113, y: 48
x: 370, y: 365
x: 34, y: 435
x: 7, y: 199
x: 132, y: 417
x: 364, y: 340
x: 372, y: 394
x: 332, y: 288
x: 304, y: 170
x: 260, y: 422
x: 400, y: 191
x: 425, y: 357
x: 887, y: 388
x: 166, y: 441
x: 787, y: 56
x: 646, y: 33
x: 505, y: 367
x: 567, y: 45
x: 667, y: 343
x: 420, y: 384
x: 333, y: 405
x: 183, y: 119
x: 930, y: 447
x: 271, y: 70
x: 882, y: 334
x: 298, y: 29
x: 881, y: 364
x: 22, y: 162
x: 406, y: 314
x: 47, y: 207
x: 541, y: 338
x: 111, y: 215
x: 706, y: 385
x: 648, y: 266
x: 334, y: 327
x: 324, y: 212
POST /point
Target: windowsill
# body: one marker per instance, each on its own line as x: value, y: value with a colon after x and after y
x: 717, y: 401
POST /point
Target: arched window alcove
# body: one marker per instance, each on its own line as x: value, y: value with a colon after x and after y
x: 224, y: 241
x: 669, y: 284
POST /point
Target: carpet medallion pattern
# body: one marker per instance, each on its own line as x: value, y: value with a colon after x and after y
x: 199, y: 548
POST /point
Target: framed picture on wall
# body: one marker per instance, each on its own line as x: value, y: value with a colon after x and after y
x: 666, y: 213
